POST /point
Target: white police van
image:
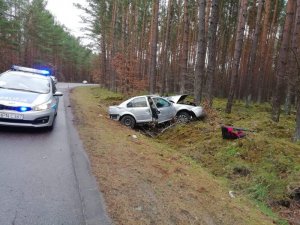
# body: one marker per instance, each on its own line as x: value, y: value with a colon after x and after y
x: 28, y: 98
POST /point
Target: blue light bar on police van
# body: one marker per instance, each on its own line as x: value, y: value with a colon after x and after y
x: 23, y: 109
x: 30, y: 70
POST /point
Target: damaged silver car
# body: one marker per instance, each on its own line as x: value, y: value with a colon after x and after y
x: 142, y: 110
x: 186, y: 111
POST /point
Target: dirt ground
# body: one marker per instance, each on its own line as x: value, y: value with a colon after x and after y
x: 145, y: 182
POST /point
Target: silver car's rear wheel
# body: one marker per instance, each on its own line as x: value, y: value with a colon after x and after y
x: 128, y: 121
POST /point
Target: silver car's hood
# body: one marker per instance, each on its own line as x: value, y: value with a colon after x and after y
x: 176, y: 98
x: 15, y: 97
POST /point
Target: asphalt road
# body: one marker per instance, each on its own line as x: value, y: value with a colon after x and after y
x: 45, y: 177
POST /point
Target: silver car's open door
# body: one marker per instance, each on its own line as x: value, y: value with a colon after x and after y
x: 165, y: 109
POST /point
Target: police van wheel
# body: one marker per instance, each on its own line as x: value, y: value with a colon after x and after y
x: 50, y: 128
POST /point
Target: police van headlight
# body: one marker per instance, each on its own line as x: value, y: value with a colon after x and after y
x: 45, y: 106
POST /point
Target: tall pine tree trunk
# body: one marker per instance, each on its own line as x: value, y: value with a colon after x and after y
x: 185, y: 47
x: 153, y: 46
x: 263, y: 51
x: 282, y: 61
x: 288, y: 97
x: 212, y: 47
x: 201, y: 53
x: 103, y: 42
x: 207, y: 13
x: 252, y: 59
x: 111, y: 51
x: 296, y: 59
x: 269, y: 61
x: 237, y: 53
x: 165, y: 49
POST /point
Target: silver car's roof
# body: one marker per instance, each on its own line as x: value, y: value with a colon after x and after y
x: 141, y: 96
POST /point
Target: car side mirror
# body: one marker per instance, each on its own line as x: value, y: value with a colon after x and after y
x: 58, y: 93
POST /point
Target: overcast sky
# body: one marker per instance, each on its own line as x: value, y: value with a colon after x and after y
x: 67, y: 14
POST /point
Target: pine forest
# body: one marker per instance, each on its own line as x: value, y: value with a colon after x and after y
x: 246, y: 50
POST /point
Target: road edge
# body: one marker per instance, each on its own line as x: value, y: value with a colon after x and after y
x: 93, y: 204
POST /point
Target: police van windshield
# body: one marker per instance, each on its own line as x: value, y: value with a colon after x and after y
x: 24, y: 82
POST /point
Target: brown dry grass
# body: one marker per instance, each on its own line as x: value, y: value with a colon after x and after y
x: 145, y: 182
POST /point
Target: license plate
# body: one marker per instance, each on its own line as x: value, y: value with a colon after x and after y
x: 11, y: 116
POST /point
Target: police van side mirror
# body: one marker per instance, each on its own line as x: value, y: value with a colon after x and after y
x: 58, y: 93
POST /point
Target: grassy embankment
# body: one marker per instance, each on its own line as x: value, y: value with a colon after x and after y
x: 263, y: 167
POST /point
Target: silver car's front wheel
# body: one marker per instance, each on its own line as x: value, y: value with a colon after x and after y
x: 183, y: 117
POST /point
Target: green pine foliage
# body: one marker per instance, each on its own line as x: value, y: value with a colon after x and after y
x: 30, y: 36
